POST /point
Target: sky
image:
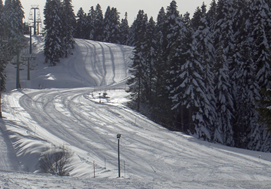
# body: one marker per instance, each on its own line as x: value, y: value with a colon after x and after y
x: 151, y: 7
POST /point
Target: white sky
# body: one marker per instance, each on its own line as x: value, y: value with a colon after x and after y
x: 151, y: 7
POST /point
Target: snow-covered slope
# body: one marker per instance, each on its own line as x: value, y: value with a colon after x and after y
x: 68, y: 111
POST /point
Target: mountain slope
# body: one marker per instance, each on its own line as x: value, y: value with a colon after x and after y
x: 69, y: 111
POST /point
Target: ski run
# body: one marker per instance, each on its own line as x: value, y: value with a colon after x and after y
x: 81, y: 104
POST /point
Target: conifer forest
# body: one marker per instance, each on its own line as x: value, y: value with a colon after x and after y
x: 202, y: 73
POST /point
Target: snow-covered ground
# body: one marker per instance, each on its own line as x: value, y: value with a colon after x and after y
x: 62, y: 105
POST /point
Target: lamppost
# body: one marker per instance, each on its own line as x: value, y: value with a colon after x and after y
x: 118, y: 137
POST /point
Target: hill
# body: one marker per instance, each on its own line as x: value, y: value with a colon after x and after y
x: 66, y: 106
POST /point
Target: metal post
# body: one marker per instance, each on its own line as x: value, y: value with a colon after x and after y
x: 28, y: 69
x: 34, y: 21
x: 30, y: 48
x: 118, y: 136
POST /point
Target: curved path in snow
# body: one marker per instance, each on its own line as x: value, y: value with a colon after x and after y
x: 149, y: 152
x: 98, y: 63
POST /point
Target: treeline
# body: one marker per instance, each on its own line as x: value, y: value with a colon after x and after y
x: 11, y: 33
x: 99, y: 27
x: 202, y: 75
x: 59, y: 24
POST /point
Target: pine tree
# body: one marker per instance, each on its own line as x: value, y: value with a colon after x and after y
x: 90, y: 19
x: 53, y: 26
x: 98, y: 24
x: 3, y: 61
x: 212, y: 14
x: 69, y: 24
x: 149, y: 76
x: 261, y: 29
x: 171, y: 28
x: 203, y: 45
x: 124, y: 30
x: 82, y: 25
x: 111, y: 26
x: 260, y: 22
x: 265, y: 109
x: 139, y: 60
x: 199, y: 13
x: 224, y: 89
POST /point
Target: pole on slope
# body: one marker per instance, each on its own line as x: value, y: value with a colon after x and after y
x: 118, y: 137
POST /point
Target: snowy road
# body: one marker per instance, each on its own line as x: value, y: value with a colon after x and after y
x: 151, y: 156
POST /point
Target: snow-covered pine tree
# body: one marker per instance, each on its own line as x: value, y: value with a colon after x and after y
x: 224, y: 91
x: 3, y: 61
x: 203, y: 45
x: 211, y: 14
x: 69, y: 24
x: 111, y: 26
x: 199, y: 13
x: 139, y: 59
x: 90, y: 19
x: 124, y: 30
x: 260, y: 18
x: 12, y: 22
x: 81, y: 30
x: 159, y: 111
x: 149, y: 76
x: 260, y: 22
x: 242, y: 76
x: 188, y: 91
x: 171, y: 28
x: 54, y: 29
x: 99, y: 24
x: 177, y: 59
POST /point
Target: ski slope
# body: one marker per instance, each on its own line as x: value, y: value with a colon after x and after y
x: 62, y: 106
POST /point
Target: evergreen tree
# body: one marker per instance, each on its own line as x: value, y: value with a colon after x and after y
x: 149, y: 70
x: 99, y: 24
x: 159, y: 111
x: 53, y: 26
x: 124, y: 30
x: 260, y: 18
x: 242, y: 75
x: 259, y: 139
x: 139, y: 60
x: 265, y: 109
x: 69, y: 24
x: 111, y: 26
x: 91, y: 19
x: 211, y: 14
x: 224, y: 89
x: 171, y: 28
x: 82, y: 25
x: 203, y: 45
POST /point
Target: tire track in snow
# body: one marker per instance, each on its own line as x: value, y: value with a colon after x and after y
x: 113, y: 65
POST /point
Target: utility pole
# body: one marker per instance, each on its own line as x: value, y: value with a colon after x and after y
x: 29, y: 57
x: 17, y: 66
x: 35, y: 25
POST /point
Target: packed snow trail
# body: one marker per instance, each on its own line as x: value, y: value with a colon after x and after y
x: 98, y: 63
x: 74, y: 118
x: 69, y: 113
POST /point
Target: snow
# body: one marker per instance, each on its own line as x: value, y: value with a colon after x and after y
x: 65, y: 105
